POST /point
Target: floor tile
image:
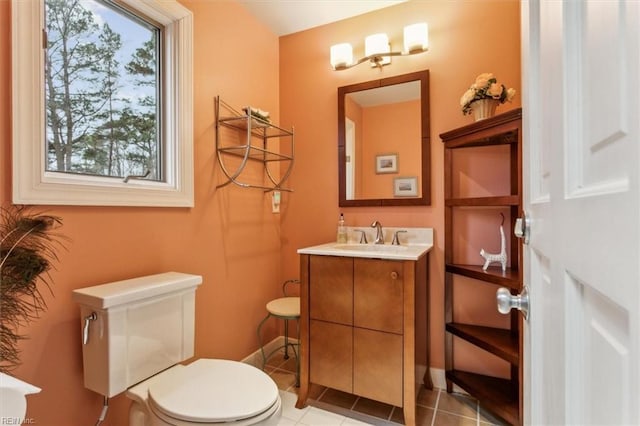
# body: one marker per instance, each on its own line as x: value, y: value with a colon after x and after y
x: 329, y: 407
x: 338, y: 398
x: 315, y: 417
x: 486, y: 418
x: 373, y: 408
x: 397, y: 416
x: 288, y: 364
x: 316, y: 391
x: 427, y: 397
x: 276, y: 360
x: 424, y: 416
x: 447, y: 419
x: 283, y: 421
x: 289, y: 409
x: 348, y: 421
x: 283, y: 379
x: 458, y: 404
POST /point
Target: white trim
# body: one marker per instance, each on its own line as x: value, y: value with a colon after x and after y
x: 33, y: 185
x: 255, y: 358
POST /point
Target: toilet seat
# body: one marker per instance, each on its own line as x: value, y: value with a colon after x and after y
x: 213, y: 391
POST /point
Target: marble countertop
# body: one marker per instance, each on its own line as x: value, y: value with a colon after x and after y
x: 414, y: 243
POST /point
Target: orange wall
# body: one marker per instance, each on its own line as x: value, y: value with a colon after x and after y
x: 466, y: 38
x: 230, y: 237
x: 390, y: 129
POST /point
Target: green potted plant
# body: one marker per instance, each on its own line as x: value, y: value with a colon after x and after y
x: 28, y: 243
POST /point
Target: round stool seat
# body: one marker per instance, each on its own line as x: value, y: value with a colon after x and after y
x: 285, y: 307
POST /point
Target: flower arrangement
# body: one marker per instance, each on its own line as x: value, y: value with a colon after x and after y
x: 486, y: 86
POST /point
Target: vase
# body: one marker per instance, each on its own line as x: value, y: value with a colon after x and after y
x: 484, y: 108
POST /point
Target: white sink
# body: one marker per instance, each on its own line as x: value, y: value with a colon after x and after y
x: 414, y: 243
x: 379, y: 248
x: 387, y: 251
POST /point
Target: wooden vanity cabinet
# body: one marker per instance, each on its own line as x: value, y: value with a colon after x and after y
x: 357, y: 327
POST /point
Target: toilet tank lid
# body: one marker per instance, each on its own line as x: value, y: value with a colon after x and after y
x: 117, y: 293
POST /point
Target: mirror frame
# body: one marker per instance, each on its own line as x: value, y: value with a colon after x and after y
x: 425, y: 183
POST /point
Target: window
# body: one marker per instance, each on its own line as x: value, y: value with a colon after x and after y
x: 102, y: 103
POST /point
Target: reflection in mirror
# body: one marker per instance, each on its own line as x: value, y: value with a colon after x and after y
x: 383, y: 143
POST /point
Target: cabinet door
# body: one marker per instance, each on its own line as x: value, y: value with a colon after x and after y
x: 377, y: 366
x: 378, y: 295
x: 331, y: 289
x: 331, y: 354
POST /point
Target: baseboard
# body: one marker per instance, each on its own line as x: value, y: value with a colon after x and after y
x: 255, y: 358
x: 438, y: 378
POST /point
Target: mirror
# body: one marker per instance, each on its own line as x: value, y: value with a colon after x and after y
x: 383, y: 142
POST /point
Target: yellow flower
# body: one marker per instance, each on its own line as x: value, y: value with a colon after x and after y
x: 510, y: 94
x: 483, y: 80
x: 495, y: 90
x: 467, y: 97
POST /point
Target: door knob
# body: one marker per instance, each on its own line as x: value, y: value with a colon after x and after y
x: 522, y: 228
x: 507, y: 301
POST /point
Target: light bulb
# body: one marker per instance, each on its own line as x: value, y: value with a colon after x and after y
x: 341, y: 55
x: 376, y: 44
x: 416, y: 38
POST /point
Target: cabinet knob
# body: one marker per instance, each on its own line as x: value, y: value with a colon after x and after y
x: 394, y: 275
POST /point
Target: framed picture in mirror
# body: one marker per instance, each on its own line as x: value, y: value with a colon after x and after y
x: 405, y: 186
x: 387, y: 163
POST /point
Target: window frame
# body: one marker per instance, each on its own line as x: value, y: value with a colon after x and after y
x: 32, y: 184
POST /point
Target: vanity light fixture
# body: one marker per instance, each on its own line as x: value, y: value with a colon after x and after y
x: 377, y: 49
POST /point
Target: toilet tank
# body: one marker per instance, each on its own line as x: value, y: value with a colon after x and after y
x: 141, y: 327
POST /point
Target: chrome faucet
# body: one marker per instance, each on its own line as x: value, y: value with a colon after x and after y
x: 379, y: 234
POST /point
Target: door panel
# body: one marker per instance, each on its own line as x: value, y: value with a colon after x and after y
x: 581, y: 165
x: 602, y: 372
x: 377, y: 366
x: 378, y: 295
x: 331, y: 349
x: 331, y: 289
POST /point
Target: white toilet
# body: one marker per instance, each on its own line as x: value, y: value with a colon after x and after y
x: 135, y: 334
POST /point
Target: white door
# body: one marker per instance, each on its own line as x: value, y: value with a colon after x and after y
x: 350, y: 136
x: 581, y: 188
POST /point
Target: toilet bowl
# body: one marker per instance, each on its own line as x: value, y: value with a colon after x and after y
x: 137, y: 333
x: 206, y: 392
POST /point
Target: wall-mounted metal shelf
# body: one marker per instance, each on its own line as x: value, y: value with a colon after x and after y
x: 255, y: 140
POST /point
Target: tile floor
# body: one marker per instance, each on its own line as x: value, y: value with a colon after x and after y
x: 329, y: 407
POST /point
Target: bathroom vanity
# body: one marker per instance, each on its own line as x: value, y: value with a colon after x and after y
x: 359, y: 331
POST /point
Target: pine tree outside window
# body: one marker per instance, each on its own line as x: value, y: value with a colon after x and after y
x: 110, y: 117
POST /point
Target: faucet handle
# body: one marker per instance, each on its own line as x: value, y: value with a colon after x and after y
x: 363, y: 236
x: 396, y: 241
